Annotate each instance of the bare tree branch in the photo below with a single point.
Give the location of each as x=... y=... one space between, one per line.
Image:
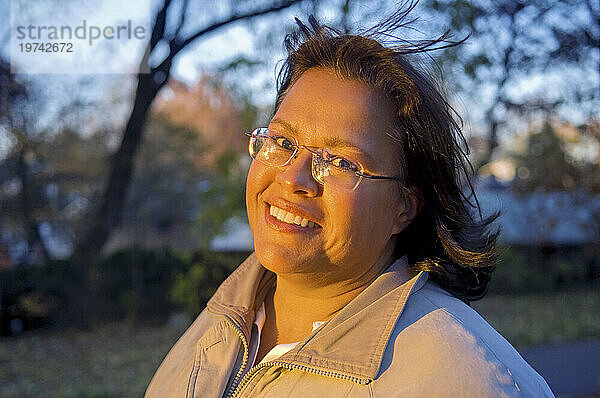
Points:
x=158 y=31
x=184 y=8
x=234 y=18
x=160 y=22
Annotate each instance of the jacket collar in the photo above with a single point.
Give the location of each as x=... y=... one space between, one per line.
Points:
x=352 y=343
x=241 y=293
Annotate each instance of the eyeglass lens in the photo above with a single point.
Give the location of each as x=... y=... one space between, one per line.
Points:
x=269 y=151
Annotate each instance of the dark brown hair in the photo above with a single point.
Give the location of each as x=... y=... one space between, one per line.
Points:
x=446 y=238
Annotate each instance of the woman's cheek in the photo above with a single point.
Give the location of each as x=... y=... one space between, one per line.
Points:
x=251 y=192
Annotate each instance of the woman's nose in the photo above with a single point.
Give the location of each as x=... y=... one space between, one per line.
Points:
x=297 y=176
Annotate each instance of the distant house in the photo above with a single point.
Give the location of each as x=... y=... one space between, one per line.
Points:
x=176 y=235
x=179 y=236
x=539 y=218
x=237 y=238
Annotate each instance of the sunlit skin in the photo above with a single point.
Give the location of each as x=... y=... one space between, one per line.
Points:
x=320 y=270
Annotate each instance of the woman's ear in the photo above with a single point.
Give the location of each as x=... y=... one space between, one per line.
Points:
x=413 y=202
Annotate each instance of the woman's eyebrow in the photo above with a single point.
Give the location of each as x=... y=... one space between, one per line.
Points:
x=330 y=142
x=285 y=124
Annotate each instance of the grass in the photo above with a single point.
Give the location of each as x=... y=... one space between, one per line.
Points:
x=118 y=361
x=544 y=319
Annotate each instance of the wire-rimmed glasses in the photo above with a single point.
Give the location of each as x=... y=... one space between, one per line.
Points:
x=274 y=149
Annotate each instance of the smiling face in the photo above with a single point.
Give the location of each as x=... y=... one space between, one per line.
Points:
x=353 y=228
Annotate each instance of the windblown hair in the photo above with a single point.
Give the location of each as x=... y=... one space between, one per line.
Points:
x=445 y=238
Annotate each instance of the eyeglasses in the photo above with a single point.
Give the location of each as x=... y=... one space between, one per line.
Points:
x=273 y=149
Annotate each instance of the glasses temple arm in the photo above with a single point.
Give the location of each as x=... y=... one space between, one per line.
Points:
x=375 y=177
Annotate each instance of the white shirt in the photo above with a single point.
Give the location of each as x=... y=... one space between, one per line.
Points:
x=276 y=351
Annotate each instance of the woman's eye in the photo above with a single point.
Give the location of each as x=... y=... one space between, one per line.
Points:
x=343 y=164
x=285 y=143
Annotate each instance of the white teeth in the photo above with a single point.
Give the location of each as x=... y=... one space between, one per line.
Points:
x=291 y=218
x=281 y=215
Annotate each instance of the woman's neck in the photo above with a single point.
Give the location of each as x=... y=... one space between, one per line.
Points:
x=293 y=307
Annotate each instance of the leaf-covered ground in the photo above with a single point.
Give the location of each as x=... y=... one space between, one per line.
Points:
x=118 y=361
x=112 y=361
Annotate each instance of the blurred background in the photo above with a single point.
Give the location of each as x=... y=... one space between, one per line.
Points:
x=123 y=194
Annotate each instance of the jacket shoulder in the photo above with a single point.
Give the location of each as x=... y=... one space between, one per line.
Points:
x=441 y=344
x=172 y=375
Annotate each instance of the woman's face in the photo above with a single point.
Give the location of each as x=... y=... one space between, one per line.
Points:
x=354 y=227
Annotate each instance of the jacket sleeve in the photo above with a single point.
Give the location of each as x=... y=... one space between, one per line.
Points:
x=441 y=348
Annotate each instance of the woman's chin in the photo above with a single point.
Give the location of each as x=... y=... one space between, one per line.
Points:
x=282 y=260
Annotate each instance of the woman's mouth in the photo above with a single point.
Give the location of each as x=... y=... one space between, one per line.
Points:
x=291 y=218
x=287 y=221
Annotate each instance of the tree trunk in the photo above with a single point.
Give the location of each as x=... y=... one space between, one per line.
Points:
x=34 y=239
x=83 y=295
x=492 y=144
x=119 y=177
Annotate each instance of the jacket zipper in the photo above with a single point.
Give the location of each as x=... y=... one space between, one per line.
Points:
x=238 y=330
x=291 y=366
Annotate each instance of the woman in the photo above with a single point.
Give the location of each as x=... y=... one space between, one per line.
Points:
x=366 y=251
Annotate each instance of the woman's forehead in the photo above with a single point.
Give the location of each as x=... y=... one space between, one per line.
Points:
x=321 y=109
x=320 y=100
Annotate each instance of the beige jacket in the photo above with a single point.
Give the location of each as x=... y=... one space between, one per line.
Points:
x=395 y=339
